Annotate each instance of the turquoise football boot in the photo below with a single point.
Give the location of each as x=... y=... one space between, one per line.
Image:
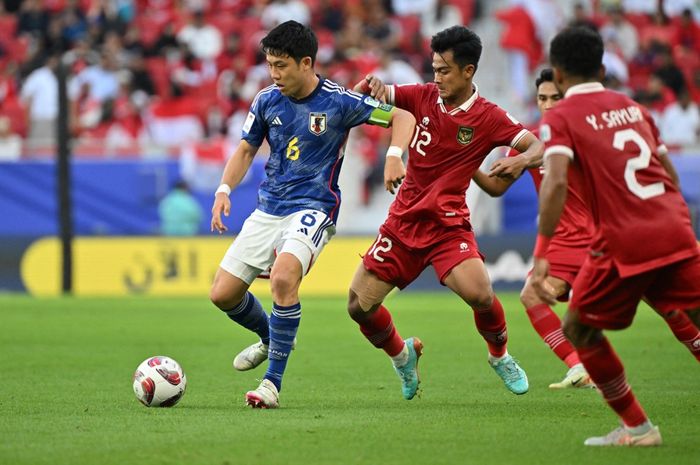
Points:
x=409 y=372
x=512 y=375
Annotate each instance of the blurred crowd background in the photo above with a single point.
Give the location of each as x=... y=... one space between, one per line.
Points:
x=173 y=79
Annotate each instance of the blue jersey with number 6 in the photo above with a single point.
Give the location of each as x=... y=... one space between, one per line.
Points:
x=307 y=140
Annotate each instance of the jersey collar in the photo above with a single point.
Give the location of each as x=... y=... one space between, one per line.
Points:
x=312 y=94
x=463 y=107
x=585 y=88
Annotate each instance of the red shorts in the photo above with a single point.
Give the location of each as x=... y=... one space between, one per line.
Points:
x=565 y=262
x=397 y=264
x=603 y=299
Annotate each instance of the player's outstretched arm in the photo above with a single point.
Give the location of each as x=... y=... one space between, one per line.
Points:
x=373 y=86
x=531 y=150
x=236 y=167
x=552 y=199
x=493 y=186
x=402 y=126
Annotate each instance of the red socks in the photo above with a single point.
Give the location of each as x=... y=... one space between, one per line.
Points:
x=379 y=329
x=491 y=323
x=685 y=331
x=608 y=374
x=548 y=326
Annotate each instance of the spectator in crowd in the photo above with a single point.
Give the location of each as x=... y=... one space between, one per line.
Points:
x=669 y=72
x=383 y=31
x=33 y=19
x=329 y=15
x=657 y=34
x=180 y=213
x=98 y=82
x=40 y=97
x=640 y=6
x=10 y=143
x=442 y=15
x=203 y=40
x=279 y=11
x=621 y=33
x=582 y=17
x=395 y=70
x=414 y=7
x=675 y=8
x=686 y=32
x=615 y=65
x=680 y=122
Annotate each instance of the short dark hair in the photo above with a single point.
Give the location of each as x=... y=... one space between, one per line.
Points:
x=465 y=45
x=578 y=51
x=291 y=39
x=546 y=75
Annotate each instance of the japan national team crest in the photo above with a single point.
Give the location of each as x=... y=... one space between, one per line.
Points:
x=317 y=123
x=465 y=134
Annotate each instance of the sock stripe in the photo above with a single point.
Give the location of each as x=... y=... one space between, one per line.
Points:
x=240 y=307
x=292 y=311
x=615 y=389
x=555 y=338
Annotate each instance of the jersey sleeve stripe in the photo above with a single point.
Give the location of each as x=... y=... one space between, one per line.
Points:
x=559 y=150
x=390 y=95
x=266 y=90
x=518 y=136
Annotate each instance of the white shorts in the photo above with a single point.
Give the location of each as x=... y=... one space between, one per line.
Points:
x=264 y=236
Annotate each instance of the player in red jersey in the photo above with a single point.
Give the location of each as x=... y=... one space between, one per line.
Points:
x=568 y=250
x=643 y=243
x=428 y=223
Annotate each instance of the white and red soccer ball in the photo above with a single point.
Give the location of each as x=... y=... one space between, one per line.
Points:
x=159 y=382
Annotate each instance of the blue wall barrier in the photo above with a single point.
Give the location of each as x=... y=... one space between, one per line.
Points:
x=121 y=197
x=109 y=197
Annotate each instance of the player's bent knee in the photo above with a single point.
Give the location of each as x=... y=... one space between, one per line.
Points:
x=481 y=300
x=223 y=300
x=283 y=284
x=579 y=334
x=354 y=309
x=528 y=296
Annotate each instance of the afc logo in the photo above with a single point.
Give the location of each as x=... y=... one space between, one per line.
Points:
x=463 y=247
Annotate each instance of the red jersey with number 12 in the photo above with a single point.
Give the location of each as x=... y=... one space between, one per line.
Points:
x=641 y=220
x=448 y=146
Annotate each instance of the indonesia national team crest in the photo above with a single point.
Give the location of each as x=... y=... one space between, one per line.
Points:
x=465 y=134
x=317 y=123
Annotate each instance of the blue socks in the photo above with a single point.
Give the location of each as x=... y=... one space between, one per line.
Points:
x=284 y=323
x=250 y=314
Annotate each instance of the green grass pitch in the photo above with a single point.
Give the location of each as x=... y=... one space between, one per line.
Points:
x=66 y=396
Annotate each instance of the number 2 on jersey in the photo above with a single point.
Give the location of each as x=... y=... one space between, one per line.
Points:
x=293 y=149
x=637 y=163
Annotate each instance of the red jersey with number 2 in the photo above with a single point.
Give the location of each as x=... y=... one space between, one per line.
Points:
x=641 y=220
x=448 y=146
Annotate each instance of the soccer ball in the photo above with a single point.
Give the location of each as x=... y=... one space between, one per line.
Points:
x=159 y=382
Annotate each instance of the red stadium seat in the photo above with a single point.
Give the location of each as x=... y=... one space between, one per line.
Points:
x=14 y=109
x=410 y=28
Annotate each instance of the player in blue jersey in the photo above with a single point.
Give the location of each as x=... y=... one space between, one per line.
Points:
x=305 y=120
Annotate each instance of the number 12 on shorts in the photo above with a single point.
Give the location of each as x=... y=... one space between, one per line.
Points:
x=382 y=244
